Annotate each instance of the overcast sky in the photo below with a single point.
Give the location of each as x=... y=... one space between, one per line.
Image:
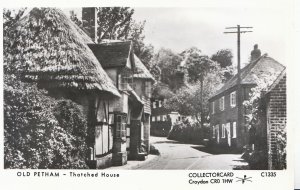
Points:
x=183 y=27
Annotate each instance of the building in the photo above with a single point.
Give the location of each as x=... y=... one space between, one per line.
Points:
x=225 y=130
x=271 y=125
x=142 y=84
x=59 y=60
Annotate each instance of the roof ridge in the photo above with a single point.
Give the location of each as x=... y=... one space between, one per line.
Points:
x=280 y=76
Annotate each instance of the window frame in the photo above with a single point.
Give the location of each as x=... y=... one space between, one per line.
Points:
x=234 y=130
x=222 y=103
x=233 y=99
x=214 y=132
x=223 y=130
x=153 y=118
x=213 y=107
x=154 y=104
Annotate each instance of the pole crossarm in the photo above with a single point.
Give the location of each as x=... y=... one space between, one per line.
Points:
x=237 y=32
x=240 y=27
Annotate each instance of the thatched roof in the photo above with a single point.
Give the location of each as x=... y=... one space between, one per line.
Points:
x=264 y=66
x=113 y=53
x=141 y=71
x=53 y=51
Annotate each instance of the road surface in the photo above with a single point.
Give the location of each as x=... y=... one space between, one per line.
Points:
x=176 y=155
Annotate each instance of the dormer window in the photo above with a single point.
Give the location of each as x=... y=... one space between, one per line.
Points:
x=125 y=79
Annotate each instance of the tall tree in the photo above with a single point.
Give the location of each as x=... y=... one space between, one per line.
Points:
x=223 y=57
x=198 y=68
x=167 y=61
x=117 y=23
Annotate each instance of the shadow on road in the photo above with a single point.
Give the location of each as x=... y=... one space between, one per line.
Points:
x=214 y=151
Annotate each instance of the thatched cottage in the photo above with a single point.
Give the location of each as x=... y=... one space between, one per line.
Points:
x=53 y=52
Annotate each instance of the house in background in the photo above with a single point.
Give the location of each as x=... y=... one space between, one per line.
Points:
x=223 y=105
x=162 y=118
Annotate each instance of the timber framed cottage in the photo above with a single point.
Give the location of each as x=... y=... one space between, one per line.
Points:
x=130 y=114
x=226 y=131
x=56 y=56
x=61 y=58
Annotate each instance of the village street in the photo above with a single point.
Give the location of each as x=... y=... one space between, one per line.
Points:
x=176 y=155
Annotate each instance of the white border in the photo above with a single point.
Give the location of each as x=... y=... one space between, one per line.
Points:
x=171 y=179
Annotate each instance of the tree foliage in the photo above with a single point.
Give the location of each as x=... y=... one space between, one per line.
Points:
x=167 y=61
x=223 y=57
x=117 y=23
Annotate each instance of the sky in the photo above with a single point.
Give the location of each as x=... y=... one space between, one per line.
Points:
x=179 y=28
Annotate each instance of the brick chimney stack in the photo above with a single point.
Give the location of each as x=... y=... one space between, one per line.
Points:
x=89 y=22
x=255 y=53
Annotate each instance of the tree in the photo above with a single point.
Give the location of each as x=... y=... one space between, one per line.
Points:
x=198 y=68
x=167 y=61
x=223 y=57
x=117 y=23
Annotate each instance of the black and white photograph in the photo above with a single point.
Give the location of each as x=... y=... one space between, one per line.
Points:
x=112 y=88
x=84 y=89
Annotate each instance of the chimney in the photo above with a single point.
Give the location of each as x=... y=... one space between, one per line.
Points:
x=255 y=53
x=89 y=21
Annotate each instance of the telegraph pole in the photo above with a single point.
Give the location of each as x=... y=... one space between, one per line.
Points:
x=239 y=89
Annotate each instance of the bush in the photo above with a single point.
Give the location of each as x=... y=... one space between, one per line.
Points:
x=189 y=133
x=39 y=131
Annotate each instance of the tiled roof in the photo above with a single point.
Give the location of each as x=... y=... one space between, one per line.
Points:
x=262 y=67
x=141 y=70
x=112 y=53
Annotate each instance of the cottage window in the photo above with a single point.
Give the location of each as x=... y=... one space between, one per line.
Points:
x=158 y=118
x=159 y=103
x=221 y=103
x=154 y=104
x=121 y=127
x=233 y=99
x=153 y=118
x=213 y=107
x=214 y=132
x=223 y=130
x=125 y=80
x=164 y=118
x=234 y=130
x=218 y=133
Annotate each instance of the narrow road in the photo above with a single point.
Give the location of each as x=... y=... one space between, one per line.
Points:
x=176 y=155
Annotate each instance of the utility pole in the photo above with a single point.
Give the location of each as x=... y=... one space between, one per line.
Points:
x=240 y=123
